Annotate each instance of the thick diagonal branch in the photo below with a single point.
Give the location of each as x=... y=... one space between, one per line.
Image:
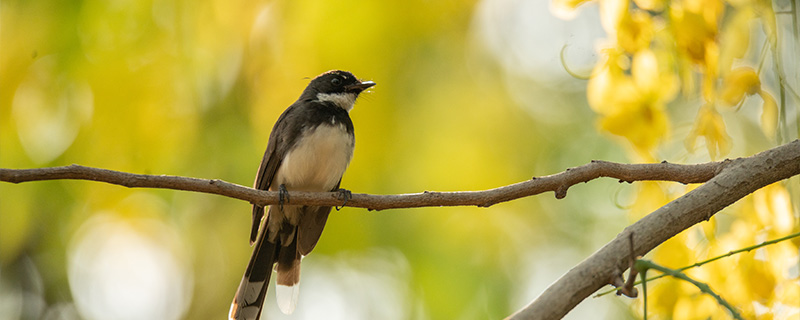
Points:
x=558 y=183
x=737 y=179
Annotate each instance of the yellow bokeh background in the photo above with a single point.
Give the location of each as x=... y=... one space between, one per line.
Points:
x=469 y=96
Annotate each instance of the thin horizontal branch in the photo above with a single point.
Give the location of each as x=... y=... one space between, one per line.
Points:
x=737 y=179
x=558 y=183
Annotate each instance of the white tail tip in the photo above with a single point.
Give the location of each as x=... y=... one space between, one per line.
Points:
x=287 y=297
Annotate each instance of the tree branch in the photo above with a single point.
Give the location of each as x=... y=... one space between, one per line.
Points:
x=725 y=182
x=736 y=180
x=558 y=183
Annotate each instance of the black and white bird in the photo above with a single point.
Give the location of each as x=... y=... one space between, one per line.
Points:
x=309 y=149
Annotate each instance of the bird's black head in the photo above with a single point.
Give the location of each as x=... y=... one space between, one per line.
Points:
x=338 y=81
x=337 y=86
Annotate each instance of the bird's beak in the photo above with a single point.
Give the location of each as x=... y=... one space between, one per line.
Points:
x=358 y=87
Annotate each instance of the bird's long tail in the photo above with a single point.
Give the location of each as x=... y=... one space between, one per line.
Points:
x=252 y=290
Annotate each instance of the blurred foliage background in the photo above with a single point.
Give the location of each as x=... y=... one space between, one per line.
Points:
x=470 y=95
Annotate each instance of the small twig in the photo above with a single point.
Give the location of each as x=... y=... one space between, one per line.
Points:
x=697 y=264
x=644 y=265
x=628 y=288
x=643 y=275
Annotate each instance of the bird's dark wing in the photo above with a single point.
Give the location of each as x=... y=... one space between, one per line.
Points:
x=311 y=225
x=281 y=139
x=266 y=172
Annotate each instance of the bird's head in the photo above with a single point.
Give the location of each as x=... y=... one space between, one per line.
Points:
x=337 y=86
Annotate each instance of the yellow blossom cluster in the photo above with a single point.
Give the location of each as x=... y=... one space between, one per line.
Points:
x=761 y=284
x=656 y=49
x=655 y=52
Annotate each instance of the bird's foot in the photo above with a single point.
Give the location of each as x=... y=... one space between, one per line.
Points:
x=345 y=195
x=283 y=196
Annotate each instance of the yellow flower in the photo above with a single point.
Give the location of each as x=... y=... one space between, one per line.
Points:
x=609 y=87
x=737 y=83
x=644 y=126
x=694 y=28
x=734 y=39
x=744 y=81
x=769 y=114
x=633 y=105
x=773 y=208
x=710 y=126
x=635 y=31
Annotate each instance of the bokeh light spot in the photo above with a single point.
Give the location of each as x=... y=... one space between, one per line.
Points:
x=120 y=269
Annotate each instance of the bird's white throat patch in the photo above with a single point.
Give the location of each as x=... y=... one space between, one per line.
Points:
x=343 y=100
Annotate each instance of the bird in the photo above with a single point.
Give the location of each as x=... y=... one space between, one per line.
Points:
x=309 y=149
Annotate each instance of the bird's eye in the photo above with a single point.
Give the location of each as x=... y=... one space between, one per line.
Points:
x=336 y=81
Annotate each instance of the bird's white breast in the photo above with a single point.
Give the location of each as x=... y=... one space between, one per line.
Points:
x=318 y=160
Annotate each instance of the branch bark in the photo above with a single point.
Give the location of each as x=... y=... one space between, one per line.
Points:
x=558 y=183
x=741 y=177
x=725 y=182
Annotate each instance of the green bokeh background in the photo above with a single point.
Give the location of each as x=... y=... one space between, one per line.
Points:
x=193 y=88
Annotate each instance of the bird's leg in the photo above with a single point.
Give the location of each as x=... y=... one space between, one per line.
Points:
x=283 y=194
x=345 y=195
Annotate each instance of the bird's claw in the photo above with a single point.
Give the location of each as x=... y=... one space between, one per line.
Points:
x=345 y=195
x=283 y=196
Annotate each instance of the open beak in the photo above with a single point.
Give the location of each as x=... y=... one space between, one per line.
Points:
x=358 y=87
